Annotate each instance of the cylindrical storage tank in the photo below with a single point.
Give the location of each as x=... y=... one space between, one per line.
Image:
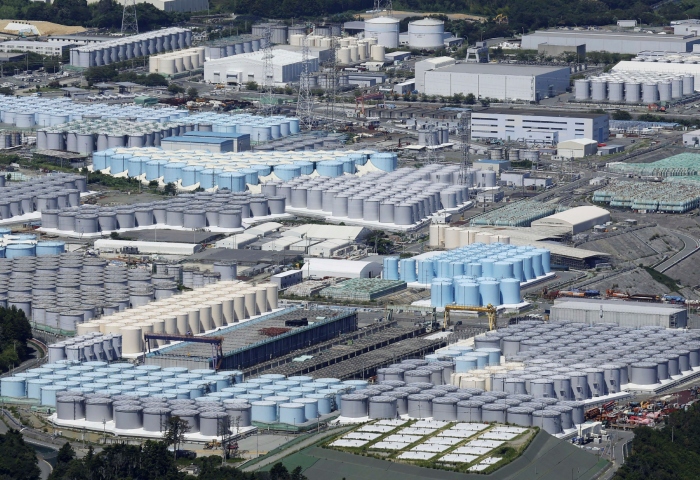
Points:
x=264 y=411
x=354 y=405
x=292 y=413
x=596 y=381
x=98 y=409
x=420 y=405
x=583 y=89
x=384 y=29
x=616 y=90
x=128 y=417
x=15 y=387
x=190 y=416
x=650 y=92
x=664 y=91
x=612 y=376
x=382 y=407
x=599 y=90
x=239 y=413
x=445 y=408
x=633 y=91
x=494 y=413
x=579 y=385
x=469 y=411
x=70 y=407
x=547 y=420
x=155 y=419
x=214 y=424
x=688 y=84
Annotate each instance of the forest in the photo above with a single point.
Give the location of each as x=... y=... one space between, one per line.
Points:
x=15 y=330
x=102 y=14
x=668 y=453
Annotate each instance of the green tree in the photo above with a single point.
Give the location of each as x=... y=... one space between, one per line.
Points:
x=175 y=430
x=251 y=85
x=17 y=459
x=621 y=115
x=470 y=99
x=192 y=93
x=170 y=189
x=15 y=331
x=174 y=88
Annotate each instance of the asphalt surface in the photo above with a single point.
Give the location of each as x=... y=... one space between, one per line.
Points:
x=691 y=245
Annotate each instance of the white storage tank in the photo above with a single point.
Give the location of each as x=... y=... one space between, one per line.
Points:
x=583 y=89
x=384 y=29
x=427 y=34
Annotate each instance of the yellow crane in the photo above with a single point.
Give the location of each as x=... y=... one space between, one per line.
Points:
x=500 y=18
x=489 y=310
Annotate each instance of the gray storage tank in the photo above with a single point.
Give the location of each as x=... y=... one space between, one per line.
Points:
x=70 y=407
x=382 y=407
x=214 y=424
x=98 y=409
x=420 y=405
x=494 y=413
x=353 y=405
x=155 y=418
x=128 y=417
x=445 y=408
x=521 y=416
x=189 y=415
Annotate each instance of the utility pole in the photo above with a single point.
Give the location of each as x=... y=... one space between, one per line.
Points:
x=305 y=103
x=268 y=74
x=129 y=21
x=464 y=131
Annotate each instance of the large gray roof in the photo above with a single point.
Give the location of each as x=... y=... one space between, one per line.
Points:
x=500 y=69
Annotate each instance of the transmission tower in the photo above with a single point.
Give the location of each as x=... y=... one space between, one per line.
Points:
x=305 y=103
x=430 y=155
x=464 y=131
x=332 y=82
x=268 y=74
x=129 y=23
x=383 y=5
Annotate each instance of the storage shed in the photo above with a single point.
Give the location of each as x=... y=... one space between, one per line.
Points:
x=578 y=219
x=325 y=267
x=577 y=148
x=628 y=314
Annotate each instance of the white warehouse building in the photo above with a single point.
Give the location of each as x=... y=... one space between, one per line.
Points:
x=248 y=67
x=613 y=42
x=484 y=80
x=523 y=125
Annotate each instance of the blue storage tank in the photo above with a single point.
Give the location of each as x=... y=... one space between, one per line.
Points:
x=468 y=294
x=358 y=158
x=50 y=247
x=137 y=166
x=292 y=413
x=263 y=170
x=482 y=359
x=487 y=265
x=408 y=270
x=546 y=259
x=48 y=394
x=536 y=263
x=391 y=268
x=325 y=402
x=15 y=387
x=441 y=292
x=443 y=268
x=173 y=172
x=100 y=159
x=502 y=269
x=310 y=407
x=475 y=270
x=263 y=411
x=528 y=271
x=517 y=268
x=5 y=231
x=426 y=271
x=234 y=181
x=155 y=169
x=190 y=175
x=287 y=172
x=510 y=291
x=15 y=250
x=494 y=355
x=118 y=163
x=489 y=292
x=456 y=268
x=465 y=363
x=251 y=175
x=207 y=177
x=34 y=387
x=307 y=168
x=293 y=125
x=330 y=168
x=348 y=165
x=384 y=161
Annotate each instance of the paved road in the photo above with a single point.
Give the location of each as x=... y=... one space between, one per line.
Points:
x=293 y=449
x=690 y=246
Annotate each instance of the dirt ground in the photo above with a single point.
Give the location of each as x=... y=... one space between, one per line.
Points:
x=639 y=281
x=647 y=246
x=115 y=198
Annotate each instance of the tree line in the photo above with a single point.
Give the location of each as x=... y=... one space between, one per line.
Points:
x=15 y=331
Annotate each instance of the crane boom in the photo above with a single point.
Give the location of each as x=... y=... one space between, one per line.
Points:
x=489 y=310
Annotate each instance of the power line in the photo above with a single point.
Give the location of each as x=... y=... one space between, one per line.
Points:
x=268 y=74
x=332 y=81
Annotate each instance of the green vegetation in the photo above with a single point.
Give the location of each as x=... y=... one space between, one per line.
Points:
x=110 y=73
x=665 y=280
x=150 y=461
x=621 y=115
x=192 y=93
x=669 y=453
x=15 y=330
x=18 y=460
x=102 y=14
x=378 y=241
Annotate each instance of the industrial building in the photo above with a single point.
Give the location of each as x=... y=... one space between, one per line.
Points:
x=624 y=314
x=326 y=267
x=523 y=179
x=666 y=63
x=577 y=148
x=576 y=220
x=52 y=49
x=609 y=41
x=78 y=39
x=126 y=48
x=520 y=125
x=691 y=139
x=214 y=142
x=443 y=76
x=557 y=50
x=175 y=5
x=287 y=279
x=248 y=67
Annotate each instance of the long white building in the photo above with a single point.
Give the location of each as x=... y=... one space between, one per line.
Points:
x=506 y=124
x=609 y=41
x=174 y=5
x=248 y=67
x=443 y=76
